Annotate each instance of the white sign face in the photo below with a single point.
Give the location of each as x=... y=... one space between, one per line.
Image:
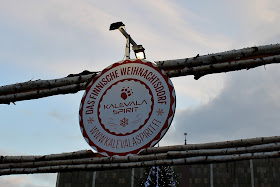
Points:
x=128 y=107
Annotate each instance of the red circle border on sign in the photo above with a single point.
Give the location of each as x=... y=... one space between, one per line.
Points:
x=165 y=127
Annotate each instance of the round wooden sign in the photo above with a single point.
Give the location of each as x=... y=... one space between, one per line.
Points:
x=128 y=107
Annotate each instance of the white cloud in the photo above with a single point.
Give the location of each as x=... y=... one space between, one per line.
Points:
x=71 y=33
x=199 y=91
x=261 y=12
x=245 y=108
x=257 y=20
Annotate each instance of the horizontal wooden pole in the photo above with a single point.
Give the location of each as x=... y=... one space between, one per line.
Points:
x=213 y=145
x=60 y=156
x=228 y=56
x=198 y=66
x=45 y=84
x=180 y=161
x=140 y=158
x=200 y=71
x=151 y=150
x=196 y=71
x=7 y=99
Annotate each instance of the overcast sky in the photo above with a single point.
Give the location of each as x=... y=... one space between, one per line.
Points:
x=51 y=39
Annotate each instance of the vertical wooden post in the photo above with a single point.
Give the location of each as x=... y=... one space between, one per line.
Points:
x=132 y=177
x=93 y=179
x=211 y=176
x=57 y=180
x=252 y=173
